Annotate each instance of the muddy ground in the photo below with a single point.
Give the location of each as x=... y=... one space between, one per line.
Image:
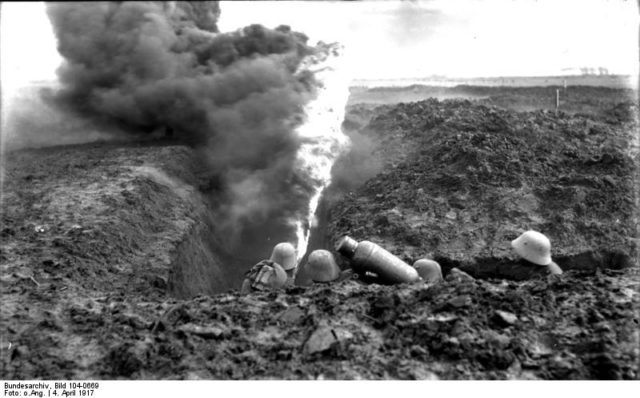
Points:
x=110 y=259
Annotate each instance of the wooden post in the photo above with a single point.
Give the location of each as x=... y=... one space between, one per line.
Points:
x=557 y=100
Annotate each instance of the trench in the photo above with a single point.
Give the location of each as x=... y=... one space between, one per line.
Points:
x=205 y=262
x=518 y=270
x=489 y=267
x=202 y=265
x=350 y=166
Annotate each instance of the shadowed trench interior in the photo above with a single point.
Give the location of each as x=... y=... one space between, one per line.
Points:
x=206 y=263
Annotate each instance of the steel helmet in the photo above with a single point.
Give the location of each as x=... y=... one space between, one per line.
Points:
x=270 y=276
x=321 y=267
x=534 y=247
x=285 y=254
x=428 y=270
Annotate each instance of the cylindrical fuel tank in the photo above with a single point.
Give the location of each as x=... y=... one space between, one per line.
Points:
x=366 y=256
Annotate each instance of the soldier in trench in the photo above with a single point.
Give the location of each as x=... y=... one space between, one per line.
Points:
x=535 y=249
x=275 y=273
x=265 y=275
x=532 y=246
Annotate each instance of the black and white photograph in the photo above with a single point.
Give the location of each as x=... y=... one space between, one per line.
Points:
x=362 y=191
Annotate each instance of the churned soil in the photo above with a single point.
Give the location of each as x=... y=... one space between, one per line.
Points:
x=110 y=262
x=461 y=180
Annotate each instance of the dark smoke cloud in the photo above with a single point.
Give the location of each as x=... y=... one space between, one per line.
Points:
x=145 y=67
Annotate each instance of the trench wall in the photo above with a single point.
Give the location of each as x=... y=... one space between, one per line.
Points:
x=195 y=266
x=111 y=219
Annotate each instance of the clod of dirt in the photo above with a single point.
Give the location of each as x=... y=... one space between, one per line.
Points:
x=325 y=338
x=207 y=332
x=459 y=301
x=292 y=315
x=504 y=318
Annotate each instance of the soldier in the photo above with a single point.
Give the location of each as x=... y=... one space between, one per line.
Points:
x=428 y=270
x=285 y=254
x=264 y=276
x=535 y=248
x=320 y=267
x=274 y=273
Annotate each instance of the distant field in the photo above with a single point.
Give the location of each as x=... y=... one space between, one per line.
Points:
x=573 y=99
x=616 y=81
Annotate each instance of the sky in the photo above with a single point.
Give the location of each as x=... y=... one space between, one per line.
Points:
x=462 y=38
x=397 y=39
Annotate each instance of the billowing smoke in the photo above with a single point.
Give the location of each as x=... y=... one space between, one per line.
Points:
x=163 y=68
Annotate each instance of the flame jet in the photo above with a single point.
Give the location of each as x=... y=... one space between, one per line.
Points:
x=324 y=140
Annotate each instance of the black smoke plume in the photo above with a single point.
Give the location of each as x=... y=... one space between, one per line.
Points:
x=163 y=67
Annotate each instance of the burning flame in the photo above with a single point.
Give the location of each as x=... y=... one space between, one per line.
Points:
x=323 y=139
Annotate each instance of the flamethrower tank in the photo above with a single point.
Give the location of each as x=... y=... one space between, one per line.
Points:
x=366 y=256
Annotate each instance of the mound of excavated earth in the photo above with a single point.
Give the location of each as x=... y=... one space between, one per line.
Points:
x=462 y=180
x=111 y=266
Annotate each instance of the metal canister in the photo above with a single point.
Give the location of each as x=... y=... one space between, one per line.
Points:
x=366 y=256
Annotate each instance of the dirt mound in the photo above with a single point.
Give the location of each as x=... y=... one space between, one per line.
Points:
x=463 y=180
x=462 y=329
x=102 y=214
